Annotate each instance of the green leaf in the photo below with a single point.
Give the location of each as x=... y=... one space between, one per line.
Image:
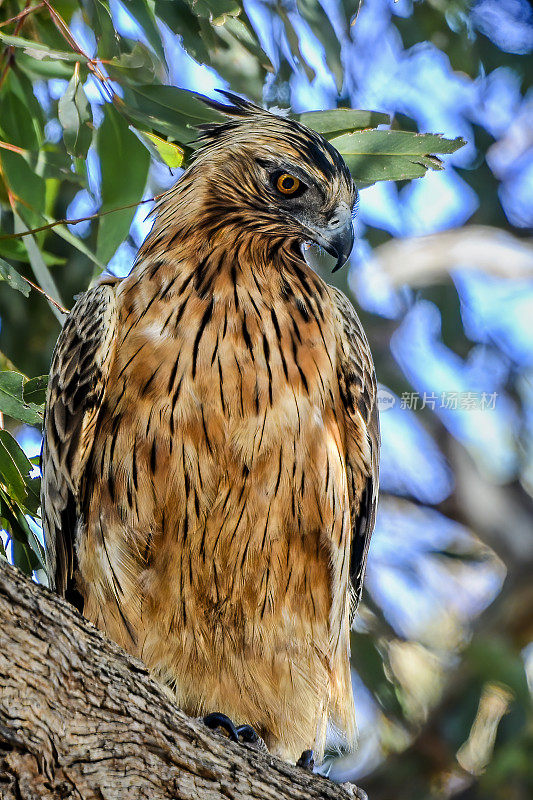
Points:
x=244 y=34
x=33 y=500
x=172 y=111
x=38 y=50
x=35 y=68
x=294 y=43
x=124 y=163
x=34 y=390
x=27 y=188
x=179 y=18
x=139 y=66
x=75 y=116
x=17 y=467
x=392 y=155
x=143 y=13
x=101 y=23
x=11 y=276
x=14 y=467
x=321 y=25
x=168 y=153
x=216 y=11
x=341 y=120
x=23 y=557
x=22 y=87
x=40 y=270
x=12 y=401
x=17 y=123
x=15 y=250
x=28 y=552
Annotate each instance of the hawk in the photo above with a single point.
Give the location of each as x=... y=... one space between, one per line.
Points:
x=210 y=458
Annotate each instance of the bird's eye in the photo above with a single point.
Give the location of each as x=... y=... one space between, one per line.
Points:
x=287 y=184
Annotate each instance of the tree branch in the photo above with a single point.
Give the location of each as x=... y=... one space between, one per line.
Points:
x=81 y=719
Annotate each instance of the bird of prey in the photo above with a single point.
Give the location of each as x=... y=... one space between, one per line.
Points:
x=210 y=460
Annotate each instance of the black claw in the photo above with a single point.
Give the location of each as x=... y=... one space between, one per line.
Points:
x=217 y=720
x=247 y=734
x=306 y=761
x=244 y=733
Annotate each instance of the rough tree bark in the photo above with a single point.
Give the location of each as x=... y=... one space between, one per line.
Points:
x=79 y=719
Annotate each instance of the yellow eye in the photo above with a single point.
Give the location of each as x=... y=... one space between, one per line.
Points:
x=287 y=184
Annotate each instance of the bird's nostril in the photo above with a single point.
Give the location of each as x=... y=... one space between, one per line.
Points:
x=334 y=221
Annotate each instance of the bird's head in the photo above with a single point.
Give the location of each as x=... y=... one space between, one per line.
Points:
x=269 y=177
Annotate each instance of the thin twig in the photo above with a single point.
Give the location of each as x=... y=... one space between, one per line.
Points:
x=50 y=299
x=75 y=221
x=22 y=15
x=65 y=32
x=13 y=148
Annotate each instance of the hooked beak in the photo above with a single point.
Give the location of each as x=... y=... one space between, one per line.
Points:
x=337 y=237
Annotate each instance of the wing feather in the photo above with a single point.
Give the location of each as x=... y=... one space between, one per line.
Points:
x=78 y=376
x=358 y=389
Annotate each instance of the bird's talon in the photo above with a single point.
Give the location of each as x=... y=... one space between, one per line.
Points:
x=217 y=720
x=306 y=761
x=247 y=734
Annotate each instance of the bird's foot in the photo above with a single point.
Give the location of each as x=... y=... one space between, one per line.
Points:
x=244 y=734
x=306 y=761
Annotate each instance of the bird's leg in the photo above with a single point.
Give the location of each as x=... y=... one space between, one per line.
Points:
x=306 y=761
x=241 y=733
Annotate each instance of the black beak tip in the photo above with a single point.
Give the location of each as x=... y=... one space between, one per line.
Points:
x=341 y=261
x=341 y=247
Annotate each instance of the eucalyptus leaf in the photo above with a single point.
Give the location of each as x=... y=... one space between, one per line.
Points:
x=178 y=16
x=27 y=550
x=341 y=120
x=121 y=154
x=28 y=188
x=175 y=112
x=15 y=250
x=393 y=155
x=22 y=557
x=168 y=153
x=98 y=15
x=17 y=123
x=13 y=472
x=34 y=390
x=244 y=33
x=216 y=11
x=40 y=270
x=139 y=66
x=75 y=116
x=38 y=50
x=12 y=401
x=13 y=279
x=37 y=68
x=142 y=11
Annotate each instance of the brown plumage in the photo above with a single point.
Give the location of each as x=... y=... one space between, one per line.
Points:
x=211 y=441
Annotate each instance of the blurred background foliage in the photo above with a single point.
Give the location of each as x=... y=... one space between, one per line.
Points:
x=91 y=120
